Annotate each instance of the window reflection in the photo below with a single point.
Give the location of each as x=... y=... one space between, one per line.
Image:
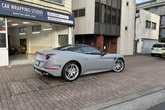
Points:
x=2 y=24
x=56 y=1
x=162 y=33
x=2 y=40
x=162 y=20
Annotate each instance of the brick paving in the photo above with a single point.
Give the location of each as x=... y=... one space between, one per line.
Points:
x=21 y=88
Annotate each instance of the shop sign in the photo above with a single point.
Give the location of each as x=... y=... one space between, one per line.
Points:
x=24 y=11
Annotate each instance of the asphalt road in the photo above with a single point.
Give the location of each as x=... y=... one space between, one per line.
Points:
x=139 y=101
x=160 y=106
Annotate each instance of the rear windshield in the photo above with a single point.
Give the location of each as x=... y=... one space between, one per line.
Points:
x=65 y=48
x=158 y=45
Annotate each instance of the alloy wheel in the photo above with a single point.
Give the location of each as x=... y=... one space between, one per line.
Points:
x=71 y=71
x=119 y=65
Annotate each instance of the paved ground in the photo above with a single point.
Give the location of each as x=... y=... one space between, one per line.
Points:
x=23 y=89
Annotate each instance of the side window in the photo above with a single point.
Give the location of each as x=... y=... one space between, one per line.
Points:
x=90 y=50
x=75 y=13
x=78 y=50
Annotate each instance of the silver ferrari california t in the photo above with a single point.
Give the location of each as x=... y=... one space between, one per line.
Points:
x=70 y=61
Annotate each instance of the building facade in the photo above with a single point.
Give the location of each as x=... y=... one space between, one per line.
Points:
x=156 y=7
x=106 y=24
x=27 y=26
x=147 y=31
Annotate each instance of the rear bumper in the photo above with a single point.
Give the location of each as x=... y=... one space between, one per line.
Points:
x=51 y=71
x=156 y=54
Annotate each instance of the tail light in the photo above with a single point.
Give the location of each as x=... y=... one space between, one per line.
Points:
x=48 y=56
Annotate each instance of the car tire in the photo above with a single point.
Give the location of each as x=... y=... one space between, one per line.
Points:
x=152 y=55
x=70 y=71
x=119 y=65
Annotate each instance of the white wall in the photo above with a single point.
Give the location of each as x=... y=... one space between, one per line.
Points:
x=42 y=40
x=142 y=31
x=4 y=57
x=126 y=39
x=84 y=24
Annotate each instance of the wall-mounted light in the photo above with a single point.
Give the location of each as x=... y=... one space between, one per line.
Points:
x=26 y=22
x=15 y=24
x=22 y=33
x=9 y=21
x=47 y=29
x=35 y=32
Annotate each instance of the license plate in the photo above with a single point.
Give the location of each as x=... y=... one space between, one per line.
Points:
x=37 y=62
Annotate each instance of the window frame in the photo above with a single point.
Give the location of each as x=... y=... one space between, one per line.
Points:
x=148 y=24
x=38 y=28
x=82 y=14
x=61 y=39
x=22 y=32
x=97 y=12
x=52 y=1
x=3 y=44
x=75 y=13
x=153 y=26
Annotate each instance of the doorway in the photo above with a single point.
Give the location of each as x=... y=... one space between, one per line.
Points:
x=106 y=44
x=23 y=46
x=27 y=36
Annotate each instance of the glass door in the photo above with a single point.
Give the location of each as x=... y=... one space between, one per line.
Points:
x=3 y=42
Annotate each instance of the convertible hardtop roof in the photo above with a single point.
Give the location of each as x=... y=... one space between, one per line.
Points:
x=69 y=46
x=78 y=45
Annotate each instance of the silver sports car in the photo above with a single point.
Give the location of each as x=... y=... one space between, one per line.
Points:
x=70 y=61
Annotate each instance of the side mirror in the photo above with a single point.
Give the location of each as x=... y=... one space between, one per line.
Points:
x=103 y=53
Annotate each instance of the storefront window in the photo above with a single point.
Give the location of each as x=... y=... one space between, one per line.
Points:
x=2 y=24
x=2 y=40
x=2 y=33
x=56 y=1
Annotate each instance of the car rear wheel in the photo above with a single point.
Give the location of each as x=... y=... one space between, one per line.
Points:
x=119 y=65
x=70 y=71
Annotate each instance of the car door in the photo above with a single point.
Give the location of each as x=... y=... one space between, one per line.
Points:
x=95 y=60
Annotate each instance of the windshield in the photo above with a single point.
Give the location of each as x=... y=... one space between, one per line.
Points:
x=158 y=45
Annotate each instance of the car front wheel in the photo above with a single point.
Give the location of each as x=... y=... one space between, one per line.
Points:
x=70 y=71
x=119 y=65
x=152 y=55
